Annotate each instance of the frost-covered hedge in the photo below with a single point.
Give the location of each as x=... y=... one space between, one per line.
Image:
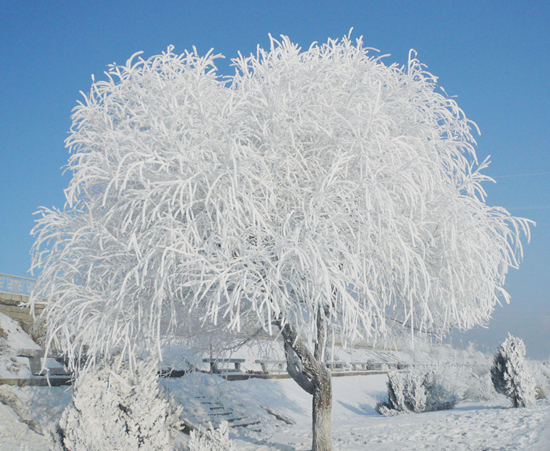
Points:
x=211 y=440
x=541 y=373
x=118 y=409
x=510 y=374
x=463 y=372
x=466 y=382
x=415 y=391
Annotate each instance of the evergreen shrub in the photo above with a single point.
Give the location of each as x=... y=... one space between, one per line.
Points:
x=114 y=408
x=510 y=374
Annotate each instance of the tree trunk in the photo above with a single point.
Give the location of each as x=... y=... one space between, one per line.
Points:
x=322 y=394
x=322 y=419
x=313 y=376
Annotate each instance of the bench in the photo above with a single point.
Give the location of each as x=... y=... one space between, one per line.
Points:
x=335 y=365
x=278 y=366
x=369 y=365
x=267 y=365
x=397 y=365
x=215 y=365
x=373 y=365
x=35 y=357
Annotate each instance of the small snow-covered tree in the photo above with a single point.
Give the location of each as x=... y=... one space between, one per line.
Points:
x=397 y=396
x=510 y=373
x=315 y=192
x=118 y=409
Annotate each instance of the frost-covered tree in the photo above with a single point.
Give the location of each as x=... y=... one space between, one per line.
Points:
x=511 y=375
x=118 y=409
x=313 y=193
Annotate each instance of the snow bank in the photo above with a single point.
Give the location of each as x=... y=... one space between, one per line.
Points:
x=13 y=338
x=27 y=413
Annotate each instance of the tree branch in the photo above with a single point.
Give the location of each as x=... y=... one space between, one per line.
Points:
x=302 y=365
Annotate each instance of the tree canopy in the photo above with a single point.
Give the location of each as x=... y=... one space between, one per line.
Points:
x=318 y=180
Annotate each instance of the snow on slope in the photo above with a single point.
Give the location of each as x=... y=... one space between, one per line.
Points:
x=13 y=338
x=16 y=435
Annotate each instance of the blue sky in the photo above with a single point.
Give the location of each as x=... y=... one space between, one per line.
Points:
x=492 y=55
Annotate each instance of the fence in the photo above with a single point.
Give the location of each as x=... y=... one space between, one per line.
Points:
x=14 y=293
x=16 y=284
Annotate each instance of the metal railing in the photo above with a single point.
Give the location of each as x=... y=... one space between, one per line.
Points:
x=16 y=284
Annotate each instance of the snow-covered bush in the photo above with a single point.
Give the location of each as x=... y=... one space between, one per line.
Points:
x=510 y=374
x=415 y=391
x=211 y=439
x=438 y=397
x=118 y=409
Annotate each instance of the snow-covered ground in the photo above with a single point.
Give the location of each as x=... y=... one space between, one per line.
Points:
x=27 y=413
x=476 y=426
x=356 y=426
